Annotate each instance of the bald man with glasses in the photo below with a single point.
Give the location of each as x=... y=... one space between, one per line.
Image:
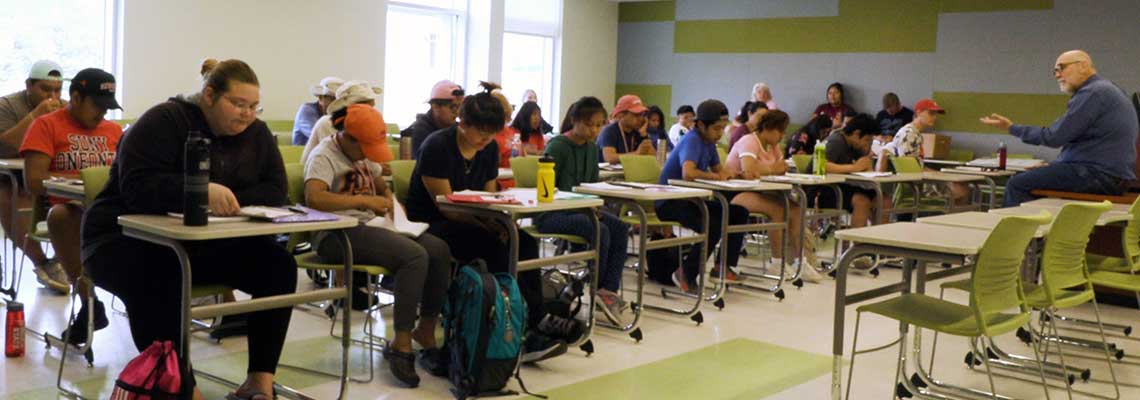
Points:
x=1097 y=136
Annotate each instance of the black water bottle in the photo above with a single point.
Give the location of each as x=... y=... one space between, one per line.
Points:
x=195 y=189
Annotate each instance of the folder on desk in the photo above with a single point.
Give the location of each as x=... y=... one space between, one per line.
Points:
x=292 y=214
x=481 y=198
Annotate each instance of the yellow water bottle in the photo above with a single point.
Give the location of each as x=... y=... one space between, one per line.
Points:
x=545 y=181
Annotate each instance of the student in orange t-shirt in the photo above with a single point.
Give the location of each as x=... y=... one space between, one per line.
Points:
x=60 y=144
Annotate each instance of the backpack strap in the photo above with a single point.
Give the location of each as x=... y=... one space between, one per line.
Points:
x=490 y=295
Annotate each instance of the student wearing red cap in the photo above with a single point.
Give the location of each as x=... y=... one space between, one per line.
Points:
x=626 y=135
x=908 y=141
x=343 y=177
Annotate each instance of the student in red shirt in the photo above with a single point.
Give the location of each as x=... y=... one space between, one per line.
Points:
x=528 y=125
x=836 y=105
x=61 y=143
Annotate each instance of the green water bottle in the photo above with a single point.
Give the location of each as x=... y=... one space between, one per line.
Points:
x=819 y=159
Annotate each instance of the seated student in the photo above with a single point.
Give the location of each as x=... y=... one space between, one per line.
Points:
x=41 y=96
x=747 y=118
x=60 y=144
x=529 y=96
x=147 y=178
x=654 y=128
x=756 y=155
x=849 y=151
x=343 y=176
x=762 y=93
x=836 y=104
x=348 y=93
x=696 y=158
x=309 y=113
x=505 y=138
x=626 y=135
x=576 y=162
x=908 y=140
x=465 y=157
x=882 y=149
x=804 y=140
x=684 y=124
x=893 y=115
x=443 y=108
x=528 y=125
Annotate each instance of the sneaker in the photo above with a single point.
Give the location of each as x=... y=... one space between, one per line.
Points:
x=863 y=264
x=568 y=330
x=52 y=276
x=611 y=303
x=538 y=347
x=730 y=275
x=808 y=272
x=434 y=361
x=403 y=366
x=78 y=327
x=680 y=282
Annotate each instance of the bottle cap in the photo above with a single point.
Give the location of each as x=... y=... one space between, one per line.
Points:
x=15 y=306
x=546 y=158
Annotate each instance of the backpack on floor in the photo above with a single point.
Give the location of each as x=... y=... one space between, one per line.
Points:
x=152 y=375
x=484 y=320
x=562 y=292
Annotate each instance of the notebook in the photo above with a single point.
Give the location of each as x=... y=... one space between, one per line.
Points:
x=399 y=223
x=477 y=197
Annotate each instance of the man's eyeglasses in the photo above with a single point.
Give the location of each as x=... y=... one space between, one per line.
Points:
x=458 y=92
x=1061 y=67
x=254 y=108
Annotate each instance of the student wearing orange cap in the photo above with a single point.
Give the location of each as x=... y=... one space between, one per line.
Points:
x=626 y=135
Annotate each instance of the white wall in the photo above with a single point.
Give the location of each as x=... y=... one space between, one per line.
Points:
x=589 y=52
x=291 y=44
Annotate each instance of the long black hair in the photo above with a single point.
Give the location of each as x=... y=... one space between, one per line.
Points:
x=655 y=110
x=483 y=111
x=582 y=110
x=748 y=108
x=521 y=123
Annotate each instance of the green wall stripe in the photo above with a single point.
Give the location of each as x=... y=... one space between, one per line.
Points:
x=647 y=11
x=954 y=6
x=659 y=95
x=913 y=28
x=280 y=125
x=963 y=109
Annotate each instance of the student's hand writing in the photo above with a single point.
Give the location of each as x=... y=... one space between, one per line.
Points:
x=724 y=174
x=377 y=204
x=997 y=121
x=645 y=147
x=863 y=163
x=47 y=106
x=222 y=201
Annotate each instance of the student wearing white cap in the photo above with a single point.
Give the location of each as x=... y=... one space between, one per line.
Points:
x=308 y=114
x=41 y=96
x=349 y=93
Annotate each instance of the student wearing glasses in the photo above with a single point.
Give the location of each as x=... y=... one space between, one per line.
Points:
x=147 y=178
x=444 y=103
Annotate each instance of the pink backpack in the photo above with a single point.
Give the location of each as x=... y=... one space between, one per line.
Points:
x=153 y=375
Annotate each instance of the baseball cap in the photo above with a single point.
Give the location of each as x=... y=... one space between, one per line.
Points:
x=352 y=92
x=97 y=84
x=630 y=103
x=446 y=90
x=42 y=70
x=327 y=87
x=711 y=109
x=928 y=104
x=366 y=125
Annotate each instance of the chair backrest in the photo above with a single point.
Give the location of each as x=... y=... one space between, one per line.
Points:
x=525 y=170
x=641 y=169
x=995 y=282
x=1063 y=263
x=290 y=153
x=720 y=152
x=961 y=155
x=1131 y=237
x=94 y=179
x=802 y=161
x=284 y=138
x=401 y=177
x=906 y=164
x=295 y=178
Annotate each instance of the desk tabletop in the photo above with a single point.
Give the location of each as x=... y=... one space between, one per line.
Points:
x=530 y=204
x=975 y=220
x=992 y=173
x=1058 y=203
x=12 y=163
x=172 y=228
x=944 y=177
x=735 y=185
x=622 y=192
x=1109 y=217
x=796 y=179
x=607 y=175
x=943 y=162
x=65 y=188
x=893 y=178
x=923 y=237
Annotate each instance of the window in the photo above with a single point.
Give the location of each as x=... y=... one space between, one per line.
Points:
x=529 y=40
x=77 y=34
x=422 y=47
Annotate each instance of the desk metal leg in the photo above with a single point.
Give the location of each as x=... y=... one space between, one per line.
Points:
x=776 y=289
x=694 y=313
x=8 y=261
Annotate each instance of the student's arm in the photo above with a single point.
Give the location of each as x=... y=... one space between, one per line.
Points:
x=36 y=167
x=14 y=136
x=863 y=164
x=1081 y=113
x=271 y=188
x=148 y=157
x=611 y=155
x=318 y=196
x=689 y=172
x=442 y=187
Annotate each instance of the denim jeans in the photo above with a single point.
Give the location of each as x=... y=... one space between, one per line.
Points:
x=1069 y=177
x=613 y=246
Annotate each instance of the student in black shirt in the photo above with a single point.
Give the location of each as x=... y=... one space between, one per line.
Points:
x=849 y=151
x=466 y=157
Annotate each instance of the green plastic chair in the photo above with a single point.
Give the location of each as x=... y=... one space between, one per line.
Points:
x=995 y=291
x=961 y=155
x=94 y=179
x=401 y=177
x=284 y=138
x=642 y=169
x=525 y=170
x=903 y=193
x=291 y=154
x=802 y=162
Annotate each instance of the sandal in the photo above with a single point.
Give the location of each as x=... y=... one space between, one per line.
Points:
x=251 y=395
x=403 y=366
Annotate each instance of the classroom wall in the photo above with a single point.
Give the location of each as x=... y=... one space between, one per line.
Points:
x=589 y=52
x=971 y=56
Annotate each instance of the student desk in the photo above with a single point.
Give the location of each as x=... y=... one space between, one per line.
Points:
x=940 y=164
x=508 y=214
x=12 y=168
x=877 y=182
x=946 y=180
x=1058 y=203
x=631 y=198
x=798 y=182
x=71 y=189
x=169 y=231
x=1109 y=217
x=738 y=186
x=919 y=244
x=989 y=175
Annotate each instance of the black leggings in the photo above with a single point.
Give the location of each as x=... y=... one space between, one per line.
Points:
x=469 y=242
x=146 y=277
x=688 y=215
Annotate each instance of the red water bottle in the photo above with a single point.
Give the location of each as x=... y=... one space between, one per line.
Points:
x=1001 y=156
x=14 y=330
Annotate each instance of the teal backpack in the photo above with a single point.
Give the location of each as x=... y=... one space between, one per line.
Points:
x=484 y=321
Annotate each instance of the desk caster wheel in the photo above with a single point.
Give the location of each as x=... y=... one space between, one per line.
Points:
x=90 y=357
x=971 y=360
x=798 y=283
x=1025 y=336
x=780 y=295
x=875 y=272
x=698 y=318
x=587 y=347
x=901 y=392
x=719 y=303
x=916 y=381
x=636 y=335
x=664 y=293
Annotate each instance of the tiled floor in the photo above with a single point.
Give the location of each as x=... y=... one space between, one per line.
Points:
x=803 y=321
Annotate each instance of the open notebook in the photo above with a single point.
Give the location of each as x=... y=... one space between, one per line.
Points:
x=398 y=223
x=277 y=215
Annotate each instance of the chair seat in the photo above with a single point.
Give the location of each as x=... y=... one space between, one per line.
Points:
x=310 y=260
x=208 y=290
x=963 y=285
x=1098 y=262
x=943 y=316
x=533 y=231
x=1035 y=296
x=1116 y=280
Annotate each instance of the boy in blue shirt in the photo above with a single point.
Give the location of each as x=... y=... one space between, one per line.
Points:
x=695 y=157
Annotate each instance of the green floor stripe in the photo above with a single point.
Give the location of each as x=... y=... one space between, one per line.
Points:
x=736 y=369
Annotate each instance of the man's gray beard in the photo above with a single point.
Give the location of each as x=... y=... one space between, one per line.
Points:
x=1065 y=88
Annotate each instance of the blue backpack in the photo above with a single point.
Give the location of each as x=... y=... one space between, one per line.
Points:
x=484 y=321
